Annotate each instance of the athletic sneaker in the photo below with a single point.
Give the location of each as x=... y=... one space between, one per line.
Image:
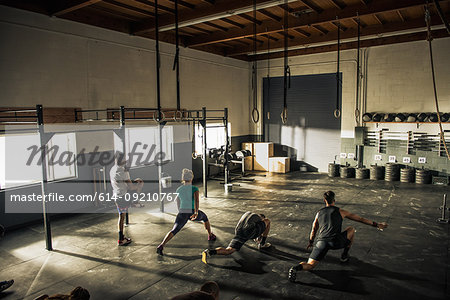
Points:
x=292 y=274
x=205 y=256
x=159 y=250
x=265 y=246
x=6 y=284
x=124 y=242
x=345 y=257
x=212 y=237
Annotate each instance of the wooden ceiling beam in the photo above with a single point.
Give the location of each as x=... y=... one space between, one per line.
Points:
x=404 y=38
x=399 y=13
x=303 y=32
x=349 y=33
x=251 y=19
x=211 y=24
x=271 y=26
x=161 y=7
x=270 y=15
x=129 y=7
x=233 y=23
x=200 y=29
x=339 y=4
x=70 y=6
x=184 y=3
x=312 y=6
x=219 y=7
x=320 y=29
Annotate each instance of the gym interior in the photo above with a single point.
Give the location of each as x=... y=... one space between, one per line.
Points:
x=261 y=106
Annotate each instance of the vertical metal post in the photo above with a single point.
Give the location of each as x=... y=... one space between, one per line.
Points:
x=160 y=161
x=124 y=148
x=227 y=143
x=205 y=157
x=43 y=140
x=158 y=62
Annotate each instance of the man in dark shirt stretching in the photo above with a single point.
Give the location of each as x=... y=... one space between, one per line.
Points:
x=250 y=226
x=328 y=222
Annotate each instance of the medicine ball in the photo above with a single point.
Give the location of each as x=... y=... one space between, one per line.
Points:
x=377 y=117
x=433 y=118
x=400 y=118
x=389 y=117
x=445 y=117
x=422 y=117
x=367 y=117
x=412 y=118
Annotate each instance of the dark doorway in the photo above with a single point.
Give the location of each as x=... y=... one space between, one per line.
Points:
x=311 y=136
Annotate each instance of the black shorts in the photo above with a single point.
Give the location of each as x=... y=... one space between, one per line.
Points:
x=321 y=248
x=244 y=235
x=183 y=218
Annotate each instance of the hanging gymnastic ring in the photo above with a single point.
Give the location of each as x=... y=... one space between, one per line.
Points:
x=255 y=115
x=194 y=155
x=284 y=115
x=337 y=113
x=155 y=117
x=178 y=116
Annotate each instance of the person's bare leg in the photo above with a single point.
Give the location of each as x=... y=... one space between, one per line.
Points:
x=305 y=266
x=350 y=236
x=266 y=232
x=225 y=251
x=208 y=227
x=311 y=264
x=121 y=221
x=218 y=251
x=166 y=239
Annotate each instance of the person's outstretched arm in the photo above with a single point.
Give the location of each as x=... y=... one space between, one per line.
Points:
x=314 y=228
x=355 y=217
x=196 y=205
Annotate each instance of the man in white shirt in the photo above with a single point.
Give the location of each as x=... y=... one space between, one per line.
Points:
x=121 y=184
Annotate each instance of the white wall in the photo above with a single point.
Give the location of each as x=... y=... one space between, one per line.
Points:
x=59 y=63
x=398 y=80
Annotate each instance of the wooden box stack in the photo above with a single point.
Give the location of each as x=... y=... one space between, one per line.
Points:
x=279 y=164
x=262 y=158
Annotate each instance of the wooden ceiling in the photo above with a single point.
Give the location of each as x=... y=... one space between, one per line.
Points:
x=227 y=27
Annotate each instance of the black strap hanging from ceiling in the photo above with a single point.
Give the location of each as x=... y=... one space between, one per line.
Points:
x=176 y=62
x=287 y=70
x=358 y=73
x=337 y=111
x=158 y=64
x=255 y=112
x=429 y=39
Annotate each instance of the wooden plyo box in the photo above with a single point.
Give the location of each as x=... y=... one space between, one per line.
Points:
x=248 y=163
x=279 y=164
x=249 y=159
x=262 y=152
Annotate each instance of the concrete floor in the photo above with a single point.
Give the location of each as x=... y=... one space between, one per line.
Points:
x=409 y=260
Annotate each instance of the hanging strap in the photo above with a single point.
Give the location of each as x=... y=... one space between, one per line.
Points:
x=287 y=70
x=337 y=111
x=255 y=111
x=429 y=39
x=176 y=64
x=358 y=73
x=159 y=117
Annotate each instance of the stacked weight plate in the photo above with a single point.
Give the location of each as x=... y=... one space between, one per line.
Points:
x=376 y=172
x=333 y=170
x=347 y=172
x=407 y=175
x=423 y=176
x=392 y=172
x=362 y=173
